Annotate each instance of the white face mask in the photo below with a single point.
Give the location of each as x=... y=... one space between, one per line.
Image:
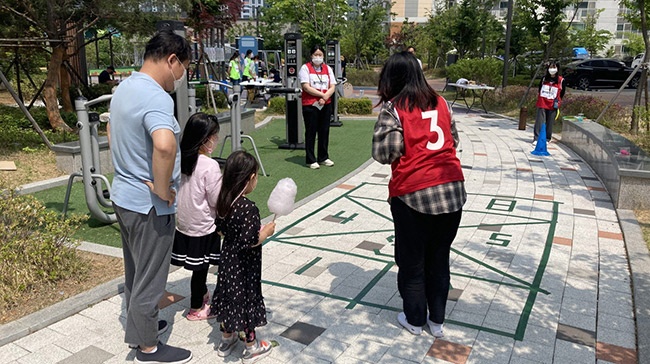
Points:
x=317 y=60
x=552 y=71
x=179 y=82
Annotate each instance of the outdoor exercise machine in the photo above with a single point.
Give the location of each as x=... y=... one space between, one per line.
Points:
x=236 y=133
x=91 y=173
x=292 y=92
x=333 y=59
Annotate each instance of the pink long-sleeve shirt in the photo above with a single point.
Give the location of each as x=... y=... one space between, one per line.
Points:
x=197 y=198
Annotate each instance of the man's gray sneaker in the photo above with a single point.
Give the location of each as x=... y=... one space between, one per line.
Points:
x=162 y=328
x=164 y=354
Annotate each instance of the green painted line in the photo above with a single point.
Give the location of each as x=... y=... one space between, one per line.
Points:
x=282 y=231
x=332 y=251
x=507 y=215
x=368 y=198
x=337 y=234
x=528 y=307
x=377 y=252
x=480 y=328
x=492 y=268
x=369 y=286
x=389 y=218
x=528 y=288
x=513 y=197
x=306 y=290
x=308 y=265
x=505 y=224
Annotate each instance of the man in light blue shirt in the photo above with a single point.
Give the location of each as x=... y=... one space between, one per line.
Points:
x=144 y=136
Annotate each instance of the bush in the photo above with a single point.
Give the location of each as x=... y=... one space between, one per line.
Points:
x=356 y=106
x=486 y=70
x=220 y=97
x=591 y=107
x=18 y=133
x=358 y=77
x=35 y=243
x=508 y=98
x=276 y=105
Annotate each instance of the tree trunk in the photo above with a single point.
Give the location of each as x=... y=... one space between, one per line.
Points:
x=49 y=90
x=643 y=82
x=64 y=78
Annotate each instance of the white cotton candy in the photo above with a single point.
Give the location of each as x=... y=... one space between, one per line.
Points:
x=283 y=197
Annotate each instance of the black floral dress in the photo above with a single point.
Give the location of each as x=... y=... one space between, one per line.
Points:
x=237 y=300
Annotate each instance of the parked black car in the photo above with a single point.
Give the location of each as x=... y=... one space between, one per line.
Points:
x=588 y=73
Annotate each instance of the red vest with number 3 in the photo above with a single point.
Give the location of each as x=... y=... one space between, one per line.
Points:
x=322 y=76
x=429 y=155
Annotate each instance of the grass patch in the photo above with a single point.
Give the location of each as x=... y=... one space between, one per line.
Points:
x=350 y=146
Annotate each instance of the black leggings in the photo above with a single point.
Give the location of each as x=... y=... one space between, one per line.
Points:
x=198 y=288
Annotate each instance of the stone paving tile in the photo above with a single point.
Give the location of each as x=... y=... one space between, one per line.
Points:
x=89 y=355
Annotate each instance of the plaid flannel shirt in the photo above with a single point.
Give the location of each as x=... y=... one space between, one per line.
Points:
x=388 y=146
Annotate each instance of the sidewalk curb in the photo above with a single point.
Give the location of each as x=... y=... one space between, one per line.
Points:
x=41 y=319
x=639 y=262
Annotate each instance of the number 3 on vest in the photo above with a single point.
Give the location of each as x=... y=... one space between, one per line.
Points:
x=433 y=115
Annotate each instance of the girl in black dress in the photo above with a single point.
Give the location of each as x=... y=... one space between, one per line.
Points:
x=237 y=300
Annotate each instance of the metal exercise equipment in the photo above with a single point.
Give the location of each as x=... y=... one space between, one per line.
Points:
x=293 y=103
x=236 y=133
x=333 y=59
x=93 y=179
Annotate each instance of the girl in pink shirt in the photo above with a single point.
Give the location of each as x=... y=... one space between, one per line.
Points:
x=196 y=243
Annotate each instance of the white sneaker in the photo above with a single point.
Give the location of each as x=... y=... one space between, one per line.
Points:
x=436 y=329
x=314 y=165
x=327 y=162
x=534 y=143
x=415 y=330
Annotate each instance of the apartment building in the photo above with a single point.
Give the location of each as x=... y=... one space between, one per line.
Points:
x=418 y=11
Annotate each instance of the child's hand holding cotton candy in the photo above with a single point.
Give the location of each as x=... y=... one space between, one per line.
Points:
x=282 y=197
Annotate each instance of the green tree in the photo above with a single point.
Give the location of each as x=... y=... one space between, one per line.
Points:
x=365 y=31
x=633 y=44
x=595 y=40
x=60 y=22
x=318 y=21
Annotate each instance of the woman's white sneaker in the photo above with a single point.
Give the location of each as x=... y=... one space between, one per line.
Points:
x=415 y=330
x=327 y=163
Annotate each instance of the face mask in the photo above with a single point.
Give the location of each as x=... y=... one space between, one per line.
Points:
x=552 y=71
x=179 y=82
x=317 y=60
x=209 y=146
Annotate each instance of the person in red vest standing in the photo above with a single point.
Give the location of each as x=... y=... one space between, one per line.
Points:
x=318 y=85
x=549 y=99
x=416 y=134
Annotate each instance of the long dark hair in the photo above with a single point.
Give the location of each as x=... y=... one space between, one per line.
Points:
x=199 y=129
x=239 y=168
x=234 y=55
x=402 y=81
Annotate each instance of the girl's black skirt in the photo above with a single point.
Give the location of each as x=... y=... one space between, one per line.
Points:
x=196 y=252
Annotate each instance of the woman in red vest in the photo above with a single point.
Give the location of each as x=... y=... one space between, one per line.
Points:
x=318 y=85
x=416 y=134
x=549 y=99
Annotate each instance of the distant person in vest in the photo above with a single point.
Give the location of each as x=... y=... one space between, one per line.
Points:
x=105 y=76
x=233 y=69
x=549 y=99
x=249 y=66
x=416 y=134
x=318 y=85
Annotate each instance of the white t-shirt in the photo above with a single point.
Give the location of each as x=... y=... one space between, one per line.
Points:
x=319 y=82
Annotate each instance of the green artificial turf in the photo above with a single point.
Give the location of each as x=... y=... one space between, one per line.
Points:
x=350 y=146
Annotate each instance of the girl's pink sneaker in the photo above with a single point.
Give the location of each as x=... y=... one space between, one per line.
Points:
x=202 y=314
